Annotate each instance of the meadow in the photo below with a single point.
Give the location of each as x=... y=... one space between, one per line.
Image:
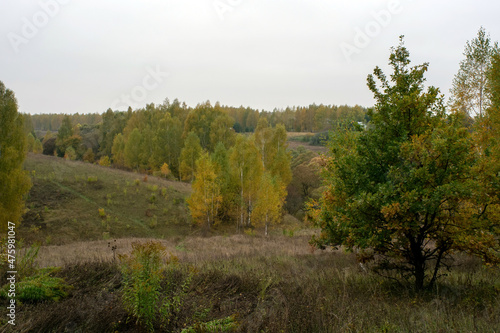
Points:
x=235 y=282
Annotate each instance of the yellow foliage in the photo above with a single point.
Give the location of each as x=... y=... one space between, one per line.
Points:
x=165 y=170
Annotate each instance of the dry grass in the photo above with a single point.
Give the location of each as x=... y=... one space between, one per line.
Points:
x=273 y=284
x=190 y=250
x=316 y=149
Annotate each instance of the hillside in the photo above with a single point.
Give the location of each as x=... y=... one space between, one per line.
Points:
x=76 y=201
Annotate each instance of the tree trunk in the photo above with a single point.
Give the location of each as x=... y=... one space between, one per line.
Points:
x=418 y=262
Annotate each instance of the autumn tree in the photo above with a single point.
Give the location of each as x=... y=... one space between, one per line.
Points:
x=403 y=191
x=246 y=170
x=206 y=198
x=165 y=170
x=132 y=151
x=14 y=181
x=487 y=137
x=118 y=150
x=470 y=85
x=220 y=158
x=189 y=155
x=168 y=142
x=66 y=138
x=269 y=203
x=272 y=145
x=37 y=146
x=30 y=142
x=221 y=130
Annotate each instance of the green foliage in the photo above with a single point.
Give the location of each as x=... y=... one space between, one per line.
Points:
x=66 y=129
x=168 y=143
x=89 y=156
x=189 y=155
x=118 y=150
x=36 y=285
x=141 y=273
x=70 y=154
x=210 y=125
x=91 y=179
x=37 y=146
x=228 y=324
x=30 y=142
x=104 y=161
x=246 y=169
x=132 y=152
x=405 y=187
x=26 y=265
x=40 y=287
x=14 y=181
x=174 y=301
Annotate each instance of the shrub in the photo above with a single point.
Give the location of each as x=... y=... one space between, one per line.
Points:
x=104 y=161
x=141 y=281
x=153 y=223
x=39 y=287
x=91 y=179
x=26 y=266
x=142 y=273
x=70 y=154
x=89 y=156
x=36 y=285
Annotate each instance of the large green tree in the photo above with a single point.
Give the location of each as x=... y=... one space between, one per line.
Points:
x=14 y=181
x=402 y=192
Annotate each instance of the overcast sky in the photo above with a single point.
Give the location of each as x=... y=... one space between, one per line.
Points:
x=68 y=56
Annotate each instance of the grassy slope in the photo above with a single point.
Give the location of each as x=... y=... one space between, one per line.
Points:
x=66 y=196
x=273 y=284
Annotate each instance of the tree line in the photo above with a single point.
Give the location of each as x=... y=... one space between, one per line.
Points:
x=313 y=118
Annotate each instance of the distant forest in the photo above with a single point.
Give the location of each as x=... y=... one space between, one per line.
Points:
x=313 y=118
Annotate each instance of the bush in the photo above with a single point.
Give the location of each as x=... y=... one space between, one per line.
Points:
x=70 y=154
x=89 y=156
x=141 y=281
x=104 y=161
x=143 y=271
x=39 y=287
x=91 y=179
x=36 y=285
